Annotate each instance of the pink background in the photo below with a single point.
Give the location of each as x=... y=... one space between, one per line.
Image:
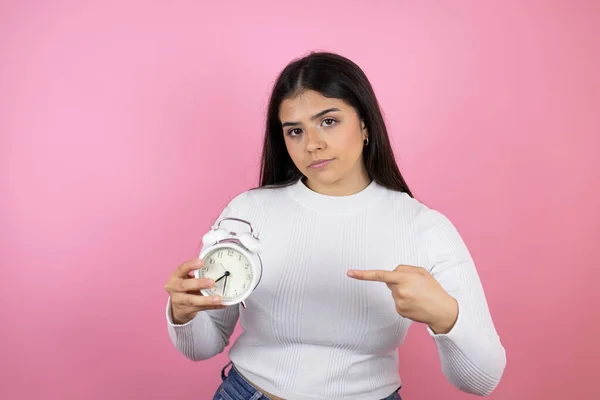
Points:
x=114 y=122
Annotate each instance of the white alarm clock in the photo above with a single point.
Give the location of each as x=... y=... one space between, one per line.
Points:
x=232 y=260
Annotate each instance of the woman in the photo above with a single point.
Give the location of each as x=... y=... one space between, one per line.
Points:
x=350 y=260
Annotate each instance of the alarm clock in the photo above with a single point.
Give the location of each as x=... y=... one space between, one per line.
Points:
x=232 y=261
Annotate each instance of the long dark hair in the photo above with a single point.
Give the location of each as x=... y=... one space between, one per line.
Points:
x=333 y=76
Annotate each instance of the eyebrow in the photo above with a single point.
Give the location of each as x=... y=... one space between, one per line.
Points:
x=312 y=118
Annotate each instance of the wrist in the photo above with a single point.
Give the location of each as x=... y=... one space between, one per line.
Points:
x=446 y=320
x=180 y=319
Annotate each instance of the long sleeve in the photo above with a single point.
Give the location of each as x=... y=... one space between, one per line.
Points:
x=209 y=332
x=472 y=356
x=206 y=335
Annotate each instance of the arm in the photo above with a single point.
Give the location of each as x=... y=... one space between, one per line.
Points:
x=204 y=336
x=208 y=333
x=472 y=357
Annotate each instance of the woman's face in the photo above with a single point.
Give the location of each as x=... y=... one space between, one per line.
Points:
x=325 y=139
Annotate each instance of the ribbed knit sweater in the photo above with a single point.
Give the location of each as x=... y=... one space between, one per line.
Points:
x=310 y=331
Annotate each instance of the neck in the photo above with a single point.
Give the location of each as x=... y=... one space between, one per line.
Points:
x=344 y=186
x=333 y=204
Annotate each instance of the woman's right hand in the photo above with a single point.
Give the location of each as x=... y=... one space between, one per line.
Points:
x=184 y=290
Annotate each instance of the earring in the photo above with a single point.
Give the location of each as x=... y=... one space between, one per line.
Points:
x=366 y=141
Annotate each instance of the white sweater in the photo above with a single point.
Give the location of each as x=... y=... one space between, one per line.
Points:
x=311 y=332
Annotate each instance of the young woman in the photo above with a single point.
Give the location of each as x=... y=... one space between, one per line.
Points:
x=350 y=260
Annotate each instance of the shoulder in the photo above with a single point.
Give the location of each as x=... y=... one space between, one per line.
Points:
x=255 y=197
x=426 y=222
x=427 y=218
x=437 y=235
x=411 y=209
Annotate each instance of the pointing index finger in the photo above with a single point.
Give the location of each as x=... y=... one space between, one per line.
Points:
x=375 y=275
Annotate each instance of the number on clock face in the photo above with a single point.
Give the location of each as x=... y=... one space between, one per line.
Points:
x=231 y=269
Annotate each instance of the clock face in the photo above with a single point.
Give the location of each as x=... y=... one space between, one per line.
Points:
x=231 y=271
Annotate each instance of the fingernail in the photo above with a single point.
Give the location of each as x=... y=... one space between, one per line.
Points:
x=351 y=273
x=216 y=300
x=210 y=282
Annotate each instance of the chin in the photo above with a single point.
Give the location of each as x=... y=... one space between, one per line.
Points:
x=324 y=178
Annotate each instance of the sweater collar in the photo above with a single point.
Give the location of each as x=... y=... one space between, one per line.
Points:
x=323 y=203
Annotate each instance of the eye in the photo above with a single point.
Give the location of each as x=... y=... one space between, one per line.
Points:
x=294 y=131
x=329 y=121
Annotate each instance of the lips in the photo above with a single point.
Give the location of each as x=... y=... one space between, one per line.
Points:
x=320 y=163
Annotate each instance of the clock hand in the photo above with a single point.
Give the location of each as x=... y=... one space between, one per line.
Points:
x=227 y=273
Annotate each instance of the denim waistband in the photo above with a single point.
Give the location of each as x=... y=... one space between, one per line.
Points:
x=244 y=388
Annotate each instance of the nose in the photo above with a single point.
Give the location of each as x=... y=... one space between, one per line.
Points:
x=314 y=141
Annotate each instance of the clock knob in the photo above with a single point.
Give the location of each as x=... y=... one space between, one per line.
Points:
x=214 y=235
x=249 y=241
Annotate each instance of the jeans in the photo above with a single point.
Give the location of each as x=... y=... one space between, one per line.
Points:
x=236 y=387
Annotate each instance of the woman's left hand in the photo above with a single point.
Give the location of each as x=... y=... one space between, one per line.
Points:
x=418 y=296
